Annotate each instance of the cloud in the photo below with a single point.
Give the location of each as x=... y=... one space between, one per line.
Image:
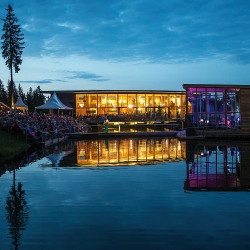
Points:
x=73 y=27
x=164 y=31
x=45 y=81
x=85 y=75
x=134 y=43
x=30 y=26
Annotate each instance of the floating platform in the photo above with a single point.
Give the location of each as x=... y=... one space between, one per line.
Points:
x=96 y=135
x=215 y=134
x=192 y=138
x=227 y=134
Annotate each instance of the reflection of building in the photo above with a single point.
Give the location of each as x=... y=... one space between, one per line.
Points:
x=128 y=151
x=113 y=102
x=217 y=167
x=57 y=157
x=245 y=166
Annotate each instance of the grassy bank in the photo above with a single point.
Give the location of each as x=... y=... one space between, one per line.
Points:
x=11 y=146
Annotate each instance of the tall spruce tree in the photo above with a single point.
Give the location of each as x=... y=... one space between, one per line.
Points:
x=12 y=93
x=12 y=45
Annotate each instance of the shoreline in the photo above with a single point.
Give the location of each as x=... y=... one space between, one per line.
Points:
x=11 y=146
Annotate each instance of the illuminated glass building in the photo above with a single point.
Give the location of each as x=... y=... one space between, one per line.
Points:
x=218 y=106
x=172 y=104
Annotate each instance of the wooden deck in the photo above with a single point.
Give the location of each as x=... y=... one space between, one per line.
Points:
x=96 y=135
x=195 y=137
x=227 y=134
x=215 y=134
x=200 y=135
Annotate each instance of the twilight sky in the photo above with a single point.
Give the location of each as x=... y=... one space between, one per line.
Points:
x=131 y=44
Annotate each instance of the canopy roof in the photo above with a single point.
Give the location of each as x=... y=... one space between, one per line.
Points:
x=20 y=104
x=53 y=103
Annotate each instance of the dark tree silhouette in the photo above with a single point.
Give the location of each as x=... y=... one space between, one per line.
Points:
x=3 y=94
x=12 y=44
x=12 y=92
x=38 y=98
x=21 y=92
x=17 y=212
x=29 y=97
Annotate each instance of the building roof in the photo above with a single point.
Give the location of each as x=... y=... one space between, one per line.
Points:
x=193 y=85
x=115 y=91
x=19 y=103
x=53 y=103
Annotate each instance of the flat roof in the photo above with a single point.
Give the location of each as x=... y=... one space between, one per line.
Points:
x=192 y=85
x=114 y=91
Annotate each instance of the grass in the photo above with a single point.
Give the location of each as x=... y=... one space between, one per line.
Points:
x=11 y=146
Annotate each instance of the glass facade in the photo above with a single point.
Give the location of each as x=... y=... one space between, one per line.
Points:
x=217 y=107
x=171 y=105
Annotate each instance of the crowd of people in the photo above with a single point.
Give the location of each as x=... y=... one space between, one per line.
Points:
x=150 y=116
x=38 y=126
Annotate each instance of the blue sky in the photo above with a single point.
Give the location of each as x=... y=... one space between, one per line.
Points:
x=131 y=44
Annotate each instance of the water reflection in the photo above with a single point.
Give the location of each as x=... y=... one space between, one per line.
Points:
x=16 y=212
x=217 y=166
x=139 y=207
x=56 y=157
x=128 y=151
x=116 y=152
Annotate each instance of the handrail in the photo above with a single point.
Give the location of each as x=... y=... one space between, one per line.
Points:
x=137 y=127
x=2 y=104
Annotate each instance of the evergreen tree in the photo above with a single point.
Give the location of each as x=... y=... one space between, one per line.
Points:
x=20 y=92
x=12 y=93
x=3 y=94
x=12 y=45
x=38 y=97
x=29 y=99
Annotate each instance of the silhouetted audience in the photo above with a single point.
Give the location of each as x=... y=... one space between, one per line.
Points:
x=38 y=126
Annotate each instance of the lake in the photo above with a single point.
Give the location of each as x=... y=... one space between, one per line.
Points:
x=128 y=194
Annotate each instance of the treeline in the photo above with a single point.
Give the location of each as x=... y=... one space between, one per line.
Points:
x=32 y=98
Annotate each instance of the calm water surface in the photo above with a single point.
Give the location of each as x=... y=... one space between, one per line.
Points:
x=136 y=200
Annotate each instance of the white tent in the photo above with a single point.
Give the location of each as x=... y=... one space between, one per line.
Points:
x=53 y=103
x=20 y=104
